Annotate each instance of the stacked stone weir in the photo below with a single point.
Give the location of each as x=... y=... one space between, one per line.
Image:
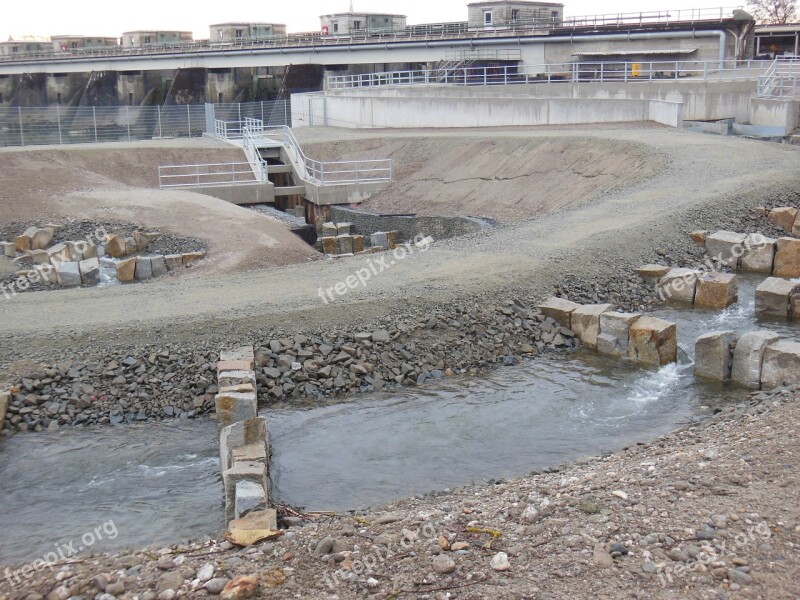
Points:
x=752 y=252
x=337 y=239
x=244 y=447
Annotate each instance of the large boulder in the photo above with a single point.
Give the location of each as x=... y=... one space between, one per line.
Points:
x=126 y=270
x=759 y=253
x=144 y=268
x=726 y=247
x=784 y=217
x=653 y=342
x=679 y=285
x=787 y=258
x=69 y=274
x=781 y=364
x=22 y=243
x=586 y=323
x=116 y=246
x=713 y=355
x=614 y=333
x=90 y=271
x=773 y=297
x=41 y=239
x=560 y=310
x=716 y=290
x=748 y=356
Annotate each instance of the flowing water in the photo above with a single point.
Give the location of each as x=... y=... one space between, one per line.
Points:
x=159 y=482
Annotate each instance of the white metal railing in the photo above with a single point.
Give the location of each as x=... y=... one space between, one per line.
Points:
x=423 y=32
x=585 y=71
x=782 y=79
x=206 y=175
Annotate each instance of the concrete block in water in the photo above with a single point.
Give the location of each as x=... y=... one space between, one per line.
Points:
x=345 y=244
x=90 y=271
x=781 y=364
x=233 y=407
x=759 y=253
x=679 y=285
x=653 y=342
x=586 y=323
x=560 y=310
x=238 y=435
x=144 y=268
x=716 y=290
x=69 y=274
x=713 y=355
x=245 y=471
x=773 y=297
x=614 y=333
x=784 y=217
x=158 y=266
x=748 y=357
x=248 y=497
x=787 y=258
x=726 y=247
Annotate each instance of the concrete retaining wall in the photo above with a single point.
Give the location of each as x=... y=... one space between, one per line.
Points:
x=783 y=115
x=408 y=227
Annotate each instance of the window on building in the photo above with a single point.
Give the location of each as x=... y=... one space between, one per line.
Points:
x=357 y=25
x=239 y=33
x=487 y=17
x=555 y=16
x=147 y=40
x=335 y=27
x=220 y=35
x=74 y=45
x=14 y=49
x=514 y=15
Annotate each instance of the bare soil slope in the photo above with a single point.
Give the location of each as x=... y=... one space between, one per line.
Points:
x=118 y=182
x=504 y=179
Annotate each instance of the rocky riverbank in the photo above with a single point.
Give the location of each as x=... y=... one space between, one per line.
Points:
x=708 y=511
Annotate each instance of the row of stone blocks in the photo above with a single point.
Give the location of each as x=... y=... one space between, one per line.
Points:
x=243 y=442
x=787 y=218
x=645 y=340
x=336 y=229
x=752 y=252
x=756 y=360
x=777 y=297
x=702 y=289
x=140 y=268
x=342 y=244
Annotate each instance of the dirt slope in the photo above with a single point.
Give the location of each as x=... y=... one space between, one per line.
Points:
x=504 y=179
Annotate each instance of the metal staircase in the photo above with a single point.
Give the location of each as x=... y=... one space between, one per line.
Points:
x=782 y=79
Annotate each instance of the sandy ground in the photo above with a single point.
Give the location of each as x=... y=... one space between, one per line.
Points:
x=118 y=182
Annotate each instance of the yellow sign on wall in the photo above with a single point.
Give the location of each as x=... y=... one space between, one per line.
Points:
x=636 y=69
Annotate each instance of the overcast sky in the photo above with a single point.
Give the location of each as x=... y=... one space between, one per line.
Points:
x=94 y=17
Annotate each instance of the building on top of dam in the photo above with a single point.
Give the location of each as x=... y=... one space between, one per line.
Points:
x=64 y=43
x=509 y=13
x=236 y=32
x=348 y=23
x=13 y=47
x=139 y=39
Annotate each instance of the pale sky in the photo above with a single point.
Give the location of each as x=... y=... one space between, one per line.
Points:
x=104 y=18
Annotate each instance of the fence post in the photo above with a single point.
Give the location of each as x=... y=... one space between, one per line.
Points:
x=128 y=121
x=21 y=134
x=286 y=118
x=94 y=120
x=58 y=116
x=189 y=119
x=160 y=131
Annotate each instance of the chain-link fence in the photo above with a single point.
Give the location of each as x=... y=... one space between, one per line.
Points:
x=28 y=126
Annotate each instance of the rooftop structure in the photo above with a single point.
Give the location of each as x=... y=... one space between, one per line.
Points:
x=348 y=23
x=143 y=38
x=63 y=43
x=237 y=31
x=505 y=13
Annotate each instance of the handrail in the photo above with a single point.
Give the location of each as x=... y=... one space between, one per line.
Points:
x=781 y=80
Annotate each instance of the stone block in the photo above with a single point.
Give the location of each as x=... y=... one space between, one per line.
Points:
x=242 y=434
x=144 y=268
x=759 y=253
x=787 y=258
x=379 y=239
x=256 y=527
x=235 y=365
x=256 y=452
x=41 y=239
x=794 y=305
x=784 y=217
x=679 y=285
x=8 y=249
x=796 y=227
x=75 y=250
x=358 y=243
x=191 y=257
x=47 y=273
x=391 y=239
x=716 y=290
x=69 y=274
x=345 y=244
x=652 y=271
x=781 y=364
x=59 y=253
x=585 y=322
x=247 y=353
x=234 y=379
x=773 y=297
x=89 y=250
x=174 y=262
x=653 y=342
x=130 y=246
x=748 y=356
x=713 y=355
x=5 y=398
x=90 y=271
x=158 y=266
x=116 y=247
x=249 y=497
x=726 y=247
x=330 y=245
x=560 y=310
x=329 y=230
x=126 y=270
x=614 y=332
x=244 y=471
x=40 y=257
x=344 y=229
x=142 y=239
x=699 y=237
x=233 y=407
x=22 y=243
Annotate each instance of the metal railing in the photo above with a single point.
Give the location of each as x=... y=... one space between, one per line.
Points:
x=27 y=126
x=413 y=32
x=782 y=80
x=206 y=175
x=577 y=72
